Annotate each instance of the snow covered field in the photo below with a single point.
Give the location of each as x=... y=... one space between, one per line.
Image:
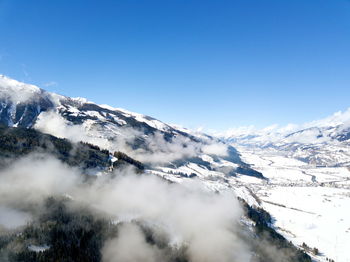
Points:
x=309 y=204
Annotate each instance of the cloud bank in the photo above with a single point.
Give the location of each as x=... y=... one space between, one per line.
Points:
x=188 y=216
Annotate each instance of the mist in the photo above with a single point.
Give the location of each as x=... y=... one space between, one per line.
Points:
x=11 y=218
x=130 y=246
x=202 y=224
x=51 y=122
x=155 y=150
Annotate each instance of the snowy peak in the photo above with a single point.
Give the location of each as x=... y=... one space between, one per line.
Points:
x=334 y=127
x=17 y=91
x=337 y=119
x=21 y=103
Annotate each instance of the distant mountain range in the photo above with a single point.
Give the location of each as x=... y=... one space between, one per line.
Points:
x=323 y=142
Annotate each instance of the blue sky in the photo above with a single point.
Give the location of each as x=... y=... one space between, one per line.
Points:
x=213 y=64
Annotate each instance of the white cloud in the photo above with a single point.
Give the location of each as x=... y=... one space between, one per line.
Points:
x=130 y=246
x=11 y=218
x=206 y=224
x=218 y=149
x=51 y=83
x=53 y=123
x=189 y=215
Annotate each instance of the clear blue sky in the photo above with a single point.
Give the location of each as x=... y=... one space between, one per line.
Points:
x=216 y=64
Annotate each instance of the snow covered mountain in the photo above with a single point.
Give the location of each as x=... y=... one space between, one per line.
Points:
x=168 y=151
x=308 y=169
x=323 y=142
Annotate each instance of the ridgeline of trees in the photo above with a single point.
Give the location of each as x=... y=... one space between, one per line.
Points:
x=124 y=159
x=16 y=142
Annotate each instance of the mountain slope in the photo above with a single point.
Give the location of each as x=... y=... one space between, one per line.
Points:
x=18 y=142
x=164 y=148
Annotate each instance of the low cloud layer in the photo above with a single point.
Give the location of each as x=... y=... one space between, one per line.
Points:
x=205 y=224
x=217 y=149
x=187 y=214
x=130 y=246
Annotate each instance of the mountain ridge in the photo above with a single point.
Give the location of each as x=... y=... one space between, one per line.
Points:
x=142 y=137
x=322 y=142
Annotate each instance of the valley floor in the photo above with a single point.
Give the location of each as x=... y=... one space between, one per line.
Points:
x=309 y=204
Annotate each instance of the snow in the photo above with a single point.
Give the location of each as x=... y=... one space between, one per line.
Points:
x=95 y=114
x=192 y=168
x=244 y=193
x=38 y=249
x=81 y=100
x=141 y=118
x=16 y=91
x=309 y=204
x=308 y=187
x=304 y=133
x=315 y=215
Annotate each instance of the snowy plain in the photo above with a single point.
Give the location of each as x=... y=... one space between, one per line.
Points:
x=309 y=204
